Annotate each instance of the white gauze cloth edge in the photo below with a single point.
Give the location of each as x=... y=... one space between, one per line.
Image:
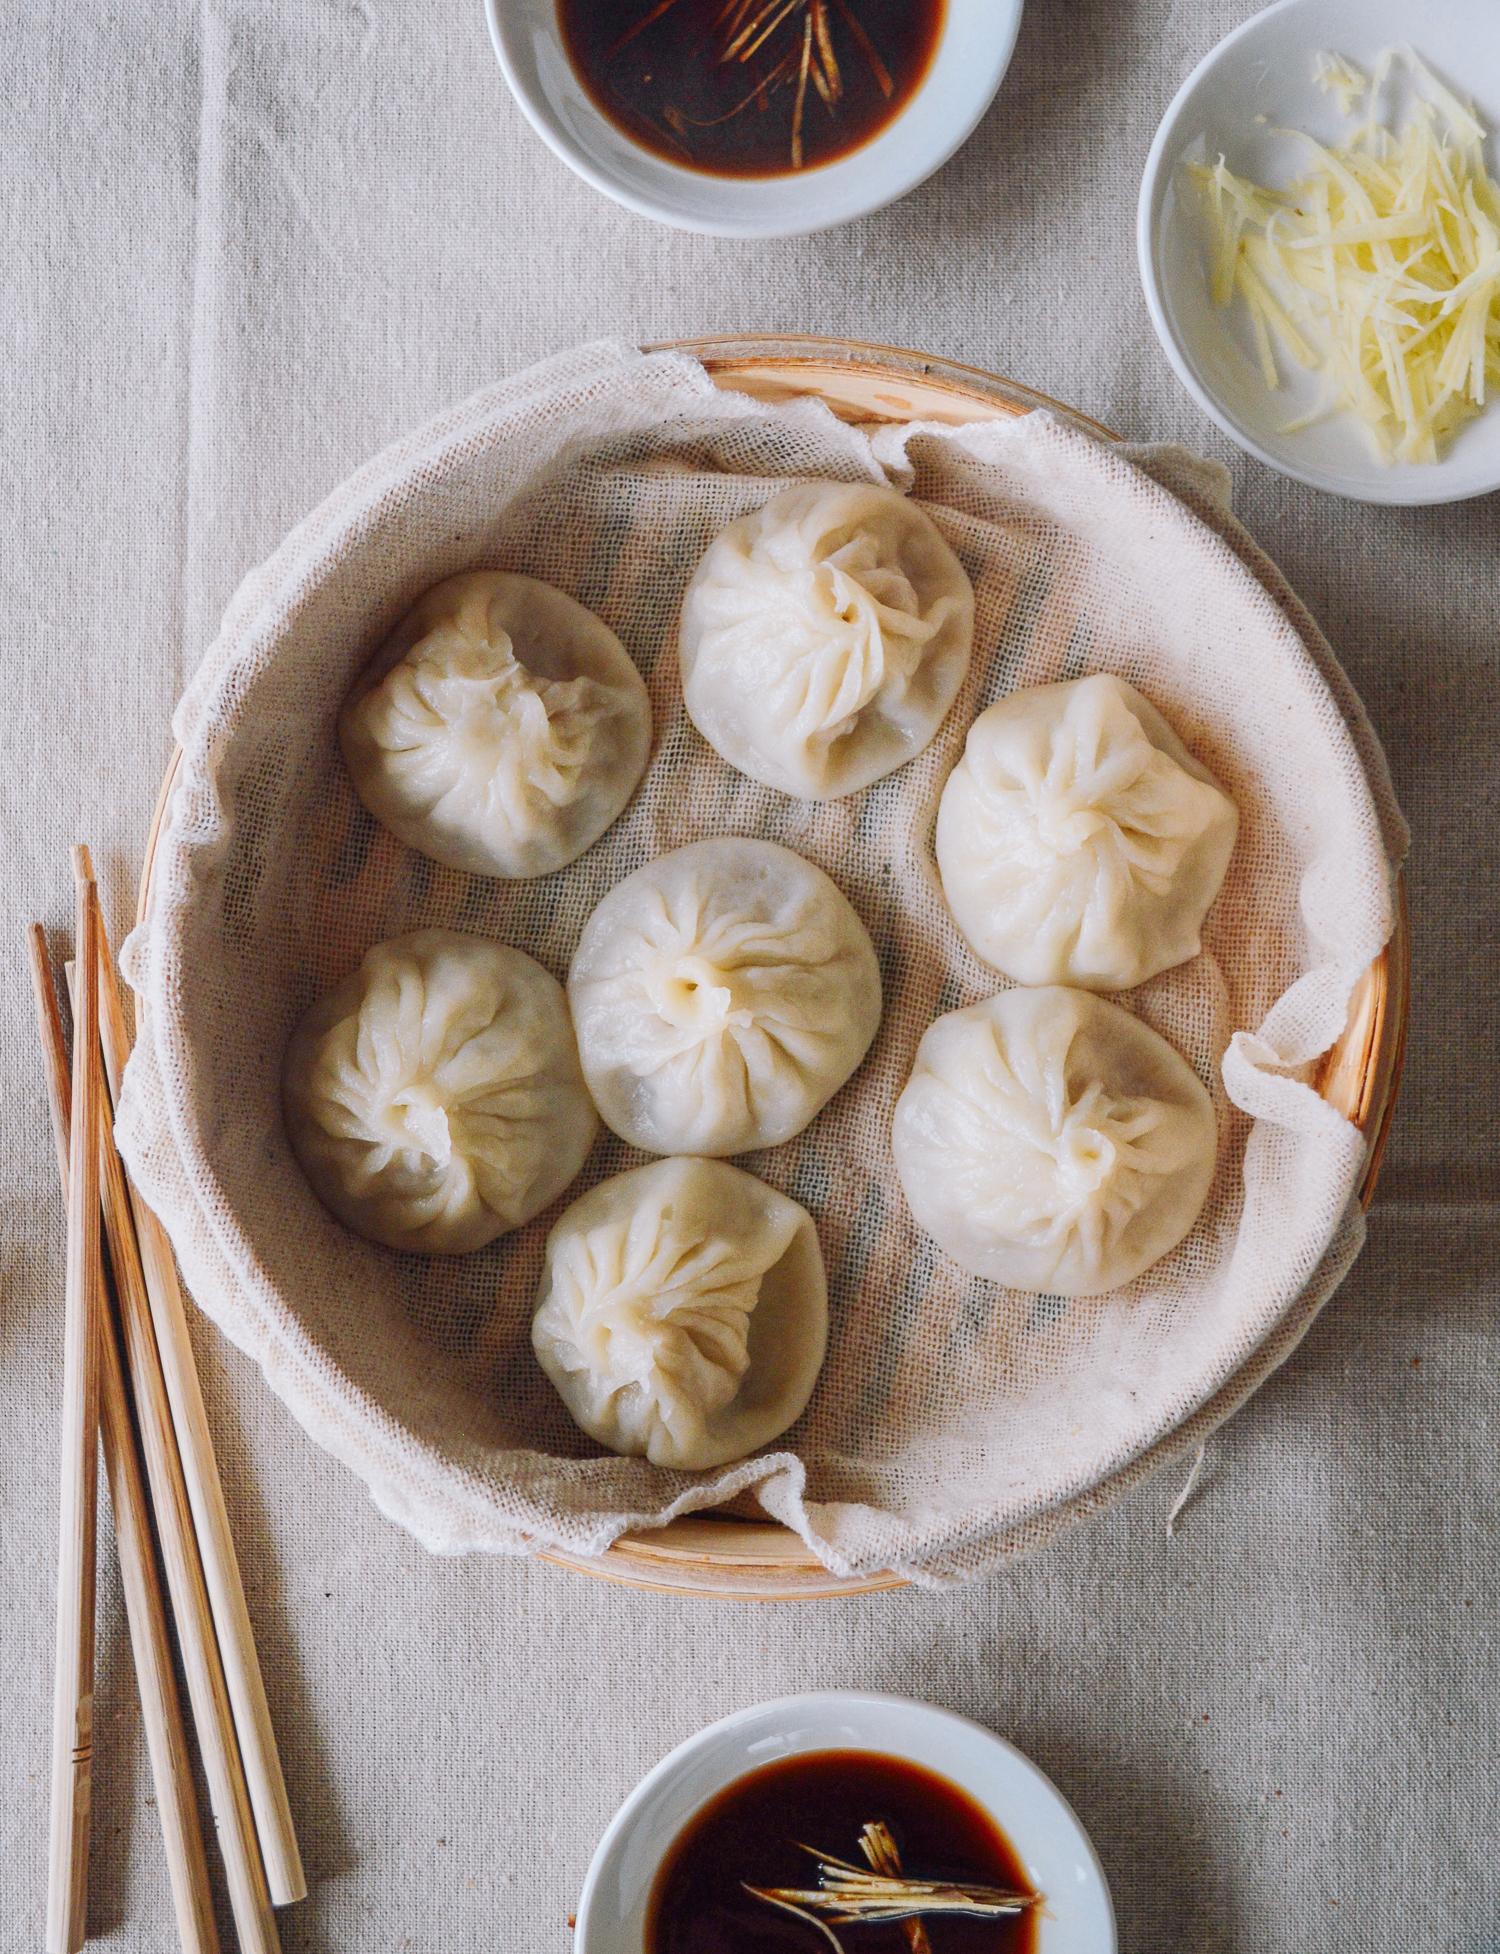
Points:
x=856 y=1514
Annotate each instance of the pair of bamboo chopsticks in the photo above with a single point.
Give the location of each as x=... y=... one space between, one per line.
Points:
x=127 y=1354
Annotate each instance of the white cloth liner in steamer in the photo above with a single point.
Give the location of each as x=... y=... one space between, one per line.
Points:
x=954 y=1423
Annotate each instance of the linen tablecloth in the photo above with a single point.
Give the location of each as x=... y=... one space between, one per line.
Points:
x=248 y=245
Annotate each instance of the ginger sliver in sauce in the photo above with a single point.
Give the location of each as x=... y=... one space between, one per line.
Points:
x=1379 y=269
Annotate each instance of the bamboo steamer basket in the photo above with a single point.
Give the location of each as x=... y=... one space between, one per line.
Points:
x=760 y=1560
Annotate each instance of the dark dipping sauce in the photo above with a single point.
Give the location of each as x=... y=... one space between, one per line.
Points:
x=755 y=89
x=749 y=1832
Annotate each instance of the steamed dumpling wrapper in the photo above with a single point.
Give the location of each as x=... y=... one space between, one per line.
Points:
x=682 y=1313
x=501 y=728
x=1078 y=840
x=1051 y=1141
x=722 y=994
x=434 y=1098
x=824 y=638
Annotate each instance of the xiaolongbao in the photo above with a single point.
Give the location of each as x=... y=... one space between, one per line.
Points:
x=434 y=1098
x=1078 y=840
x=1051 y=1141
x=682 y=1313
x=824 y=638
x=721 y=994
x=500 y=729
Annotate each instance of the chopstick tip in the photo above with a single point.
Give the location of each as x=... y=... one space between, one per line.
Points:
x=41 y=965
x=83 y=863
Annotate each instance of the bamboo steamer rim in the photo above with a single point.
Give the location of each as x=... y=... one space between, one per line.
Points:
x=760 y=1560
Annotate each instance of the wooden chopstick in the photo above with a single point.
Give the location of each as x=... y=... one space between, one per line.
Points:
x=231 y=1618
x=208 y=1694
x=145 y=1612
x=73 y=1692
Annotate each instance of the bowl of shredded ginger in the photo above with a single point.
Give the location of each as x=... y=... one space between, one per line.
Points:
x=1319 y=238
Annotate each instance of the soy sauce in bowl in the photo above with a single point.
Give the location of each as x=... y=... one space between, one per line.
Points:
x=752 y=1832
x=751 y=88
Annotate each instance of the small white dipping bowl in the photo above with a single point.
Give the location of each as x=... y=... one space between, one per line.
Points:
x=1265 y=69
x=1033 y=1814
x=972 y=54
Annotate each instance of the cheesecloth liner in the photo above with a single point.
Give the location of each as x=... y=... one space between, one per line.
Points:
x=954 y=1422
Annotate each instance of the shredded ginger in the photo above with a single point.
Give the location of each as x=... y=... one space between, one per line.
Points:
x=1379 y=269
x=1340 y=79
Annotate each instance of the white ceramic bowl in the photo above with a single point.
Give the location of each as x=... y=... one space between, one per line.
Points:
x=1028 y=1807
x=1265 y=69
x=971 y=58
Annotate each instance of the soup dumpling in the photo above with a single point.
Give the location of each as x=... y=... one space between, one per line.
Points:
x=824 y=638
x=1078 y=840
x=501 y=728
x=434 y=1098
x=1051 y=1141
x=682 y=1313
x=721 y=995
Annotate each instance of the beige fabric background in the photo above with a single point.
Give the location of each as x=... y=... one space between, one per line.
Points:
x=248 y=245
